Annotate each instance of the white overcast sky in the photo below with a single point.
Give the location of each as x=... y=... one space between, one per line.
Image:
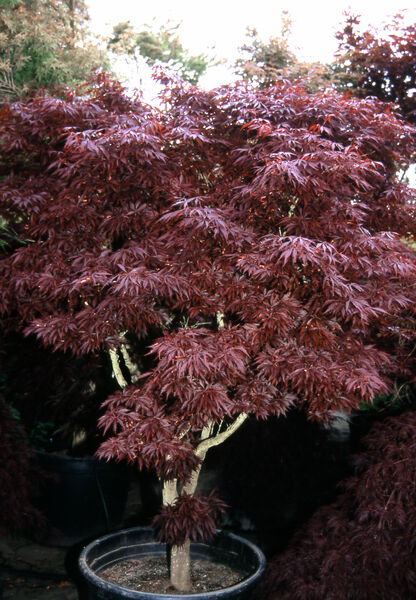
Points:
x=222 y=23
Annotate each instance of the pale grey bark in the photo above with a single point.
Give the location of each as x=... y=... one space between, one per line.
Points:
x=117 y=369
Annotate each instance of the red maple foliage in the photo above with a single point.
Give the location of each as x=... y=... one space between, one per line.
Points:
x=381 y=63
x=190 y=518
x=362 y=547
x=241 y=246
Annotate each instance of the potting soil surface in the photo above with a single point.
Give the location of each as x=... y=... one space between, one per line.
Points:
x=151 y=575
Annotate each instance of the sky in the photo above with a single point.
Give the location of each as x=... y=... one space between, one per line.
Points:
x=222 y=23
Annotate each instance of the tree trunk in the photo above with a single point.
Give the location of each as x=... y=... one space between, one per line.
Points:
x=180 y=556
x=180 y=567
x=180 y=559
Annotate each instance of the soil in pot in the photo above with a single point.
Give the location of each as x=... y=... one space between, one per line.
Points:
x=139 y=543
x=151 y=575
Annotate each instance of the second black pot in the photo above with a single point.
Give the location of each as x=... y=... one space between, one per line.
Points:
x=83 y=497
x=139 y=542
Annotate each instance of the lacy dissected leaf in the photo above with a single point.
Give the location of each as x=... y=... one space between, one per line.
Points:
x=190 y=517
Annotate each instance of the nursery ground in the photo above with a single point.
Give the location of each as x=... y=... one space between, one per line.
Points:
x=33 y=571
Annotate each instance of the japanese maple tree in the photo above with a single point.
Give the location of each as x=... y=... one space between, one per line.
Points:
x=235 y=252
x=380 y=62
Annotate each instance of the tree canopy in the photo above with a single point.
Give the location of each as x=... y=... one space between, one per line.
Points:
x=380 y=62
x=263 y=62
x=43 y=44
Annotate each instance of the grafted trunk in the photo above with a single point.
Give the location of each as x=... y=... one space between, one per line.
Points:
x=180 y=556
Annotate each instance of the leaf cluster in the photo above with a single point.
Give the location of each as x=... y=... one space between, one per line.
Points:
x=189 y=518
x=367 y=537
x=380 y=62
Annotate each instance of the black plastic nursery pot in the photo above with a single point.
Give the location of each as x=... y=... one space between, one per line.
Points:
x=84 y=497
x=140 y=542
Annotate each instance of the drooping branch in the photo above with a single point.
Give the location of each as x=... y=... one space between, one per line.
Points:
x=117 y=369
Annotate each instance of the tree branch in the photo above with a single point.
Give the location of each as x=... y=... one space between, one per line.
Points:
x=117 y=369
x=190 y=486
x=133 y=369
x=169 y=491
x=208 y=443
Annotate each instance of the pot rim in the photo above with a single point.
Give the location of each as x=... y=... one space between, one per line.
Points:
x=91 y=576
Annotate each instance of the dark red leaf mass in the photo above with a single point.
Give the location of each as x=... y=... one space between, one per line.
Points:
x=190 y=518
x=362 y=547
x=250 y=240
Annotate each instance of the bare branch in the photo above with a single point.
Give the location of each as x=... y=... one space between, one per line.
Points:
x=206 y=432
x=208 y=443
x=169 y=492
x=117 y=369
x=190 y=486
x=220 y=320
x=133 y=369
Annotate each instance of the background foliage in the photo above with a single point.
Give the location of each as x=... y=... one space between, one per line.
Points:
x=44 y=44
x=380 y=63
x=159 y=46
x=361 y=547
